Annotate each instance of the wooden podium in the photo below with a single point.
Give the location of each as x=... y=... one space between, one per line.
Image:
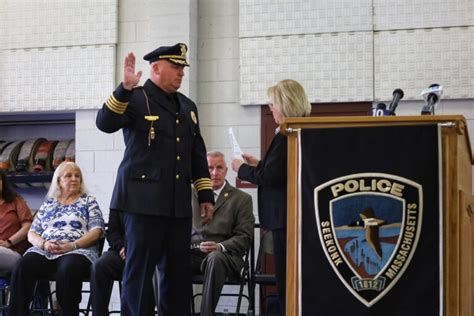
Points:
x=457 y=206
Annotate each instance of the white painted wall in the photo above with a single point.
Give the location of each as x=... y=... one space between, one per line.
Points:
x=218 y=92
x=343 y=50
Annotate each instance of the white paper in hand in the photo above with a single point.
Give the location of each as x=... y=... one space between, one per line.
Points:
x=236 y=150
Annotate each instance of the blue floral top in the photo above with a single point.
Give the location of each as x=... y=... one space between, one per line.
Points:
x=55 y=221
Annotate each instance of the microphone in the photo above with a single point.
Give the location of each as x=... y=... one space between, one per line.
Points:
x=397 y=96
x=380 y=110
x=432 y=95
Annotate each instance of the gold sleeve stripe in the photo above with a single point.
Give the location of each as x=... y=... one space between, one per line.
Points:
x=203 y=184
x=202 y=180
x=200 y=188
x=116 y=106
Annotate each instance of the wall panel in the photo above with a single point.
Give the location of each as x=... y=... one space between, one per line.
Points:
x=336 y=67
x=409 y=14
x=64 y=78
x=52 y=23
x=414 y=59
x=277 y=17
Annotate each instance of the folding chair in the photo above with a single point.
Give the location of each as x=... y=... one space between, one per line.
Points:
x=258 y=275
x=241 y=280
x=4 y=283
x=120 y=294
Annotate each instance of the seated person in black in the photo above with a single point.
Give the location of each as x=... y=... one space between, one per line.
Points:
x=109 y=266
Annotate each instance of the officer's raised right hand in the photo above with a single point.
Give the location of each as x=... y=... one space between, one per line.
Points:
x=130 y=78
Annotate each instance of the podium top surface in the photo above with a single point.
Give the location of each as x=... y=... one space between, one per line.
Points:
x=338 y=121
x=448 y=121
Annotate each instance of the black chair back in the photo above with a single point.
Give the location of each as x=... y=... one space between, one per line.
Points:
x=258 y=275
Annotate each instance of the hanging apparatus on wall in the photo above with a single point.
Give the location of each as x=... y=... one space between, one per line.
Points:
x=27 y=154
x=43 y=157
x=25 y=160
x=3 y=145
x=9 y=155
x=71 y=151
x=59 y=153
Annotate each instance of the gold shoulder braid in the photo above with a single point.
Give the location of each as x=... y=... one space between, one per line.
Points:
x=151 y=119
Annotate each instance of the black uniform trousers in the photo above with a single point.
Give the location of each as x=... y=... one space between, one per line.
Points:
x=107 y=269
x=156 y=241
x=70 y=271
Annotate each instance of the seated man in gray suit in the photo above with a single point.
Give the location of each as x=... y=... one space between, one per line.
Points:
x=218 y=247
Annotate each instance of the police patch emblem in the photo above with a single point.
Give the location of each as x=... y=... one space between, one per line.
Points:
x=369 y=225
x=194 y=117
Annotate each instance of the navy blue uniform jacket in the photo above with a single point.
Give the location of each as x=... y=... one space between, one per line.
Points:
x=155 y=175
x=270 y=175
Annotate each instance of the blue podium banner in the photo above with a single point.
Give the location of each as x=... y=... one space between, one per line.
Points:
x=370 y=221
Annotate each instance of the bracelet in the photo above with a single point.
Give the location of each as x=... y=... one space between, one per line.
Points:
x=74 y=245
x=42 y=244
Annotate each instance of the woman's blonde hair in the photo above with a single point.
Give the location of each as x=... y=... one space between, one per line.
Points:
x=55 y=190
x=290 y=98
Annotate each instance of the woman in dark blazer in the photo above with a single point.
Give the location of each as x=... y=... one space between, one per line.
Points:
x=287 y=99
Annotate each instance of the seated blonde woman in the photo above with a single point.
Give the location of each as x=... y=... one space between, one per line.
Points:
x=64 y=235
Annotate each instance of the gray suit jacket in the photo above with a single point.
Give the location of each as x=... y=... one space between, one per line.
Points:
x=232 y=224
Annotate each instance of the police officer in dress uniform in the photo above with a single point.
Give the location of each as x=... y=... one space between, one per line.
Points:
x=164 y=154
